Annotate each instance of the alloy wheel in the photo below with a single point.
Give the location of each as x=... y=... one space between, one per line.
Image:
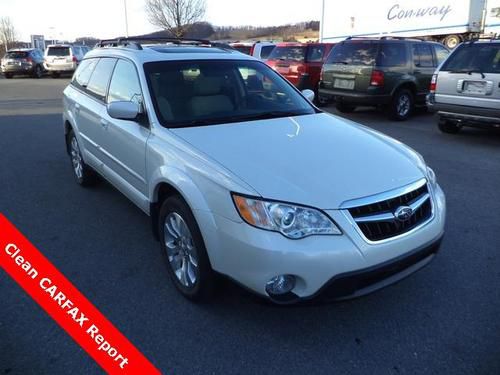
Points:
x=181 y=251
x=403 y=106
x=76 y=159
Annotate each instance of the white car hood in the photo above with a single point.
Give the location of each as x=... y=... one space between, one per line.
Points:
x=318 y=160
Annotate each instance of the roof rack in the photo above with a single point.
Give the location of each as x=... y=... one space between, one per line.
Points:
x=135 y=42
x=385 y=37
x=491 y=38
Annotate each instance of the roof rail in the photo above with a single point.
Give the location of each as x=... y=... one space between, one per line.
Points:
x=385 y=37
x=135 y=42
x=491 y=38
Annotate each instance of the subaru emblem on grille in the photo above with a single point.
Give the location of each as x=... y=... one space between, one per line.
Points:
x=403 y=213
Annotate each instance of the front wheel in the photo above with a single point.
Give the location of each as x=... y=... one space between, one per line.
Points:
x=37 y=73
x=184 y=250
x=448 y=127
x=84 y=175
x=402 y=105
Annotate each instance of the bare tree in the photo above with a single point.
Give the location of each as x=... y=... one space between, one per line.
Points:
x=176 y=16
x=7 y=32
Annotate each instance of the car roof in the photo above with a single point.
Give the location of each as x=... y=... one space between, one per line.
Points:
x=168 y=52
x=21 y=49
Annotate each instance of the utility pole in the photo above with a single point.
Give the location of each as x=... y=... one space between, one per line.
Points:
x=126 y=17
x=321 y=27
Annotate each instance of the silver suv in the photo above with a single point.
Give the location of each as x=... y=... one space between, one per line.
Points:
x=465 y=90
x=63 y=58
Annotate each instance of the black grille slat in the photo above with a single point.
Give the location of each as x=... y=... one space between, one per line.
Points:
x=379 y=230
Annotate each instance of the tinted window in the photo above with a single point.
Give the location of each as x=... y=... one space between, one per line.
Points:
x=200 y=93
x=422 y=55
x=84 y=71
x=353 y=53
x=315 y=53
x=295 y=53
x=266 y=51
x=125 y=84
x=100 y=77
x=16 y=55
x=243 y=49
x=475 y=57
x=441 y=53
x=58 y=51
x=392 y=54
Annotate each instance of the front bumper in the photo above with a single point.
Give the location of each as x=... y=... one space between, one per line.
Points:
x=346 y=264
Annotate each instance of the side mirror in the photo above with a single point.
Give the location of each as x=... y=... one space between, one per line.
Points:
x=309 y=94
x=124 y=110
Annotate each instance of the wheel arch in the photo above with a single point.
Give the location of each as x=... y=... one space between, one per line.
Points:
x=410 y=85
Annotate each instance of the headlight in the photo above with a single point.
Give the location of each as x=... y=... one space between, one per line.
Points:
x=290 y=220
x=431 y=176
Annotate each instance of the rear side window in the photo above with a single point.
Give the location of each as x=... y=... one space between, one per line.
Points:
x=266 y=51
x=125 y=84
x=422 y=55
x=392 y=55
x=243 y=49
x=315 y=53
x=98 y=83
x=441 y=53
x=474 y=57
x=353 y=53
x=294 y=53
x=58 y=51
x=83 y=72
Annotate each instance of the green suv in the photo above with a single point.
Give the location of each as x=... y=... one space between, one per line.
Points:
x=394 y=73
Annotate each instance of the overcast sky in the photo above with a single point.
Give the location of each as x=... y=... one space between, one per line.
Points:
x=68 y=19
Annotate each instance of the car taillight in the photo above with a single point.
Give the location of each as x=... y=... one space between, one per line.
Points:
x=433 y=86
x=29 y=59
x=377 y=78
x=252 y=49
x=75 y=59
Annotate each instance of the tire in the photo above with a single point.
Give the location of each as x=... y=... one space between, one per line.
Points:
x=448 y=127
x=84 y=175
x=344 y=107
x=451 y=41
x=320 y=101
x=402 y=105
x=37 y=73
x=8 y=75
x=186 y=257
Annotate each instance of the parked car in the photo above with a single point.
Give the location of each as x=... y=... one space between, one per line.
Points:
x=465 y=91
x=300 y=63
x=63 y=58
x=22 y=61
x=241 y=175
x=260 y=50
x=394 y=73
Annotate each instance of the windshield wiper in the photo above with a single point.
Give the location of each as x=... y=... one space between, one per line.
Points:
x=467 y=71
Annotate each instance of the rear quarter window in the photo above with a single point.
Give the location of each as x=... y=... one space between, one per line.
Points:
x=315 y=53
x=441 y=53
x=83 y=72
x=392 y=55
x=353 y=53
x=101 y=75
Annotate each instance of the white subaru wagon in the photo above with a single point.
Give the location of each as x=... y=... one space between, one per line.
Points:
x=243 y=176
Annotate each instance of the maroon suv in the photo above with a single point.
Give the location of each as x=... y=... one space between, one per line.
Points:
x=300 y=63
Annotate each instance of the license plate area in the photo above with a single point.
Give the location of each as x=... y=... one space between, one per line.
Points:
x=346 y=84
x=474 y=87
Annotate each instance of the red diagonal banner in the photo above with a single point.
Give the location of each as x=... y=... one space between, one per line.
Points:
x=67 y=306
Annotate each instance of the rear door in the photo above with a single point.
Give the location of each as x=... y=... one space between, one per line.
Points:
x=471 y=76
x=423 y=67
x=315 y=56
x=124 y=141
x=349 y=66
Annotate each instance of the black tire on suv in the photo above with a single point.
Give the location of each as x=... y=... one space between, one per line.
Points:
x=447 y=126
x=84 y=175
x=402 y=105
x=345 y=107
x=184 y=251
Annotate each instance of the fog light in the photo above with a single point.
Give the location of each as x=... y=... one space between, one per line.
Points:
x=281 y=284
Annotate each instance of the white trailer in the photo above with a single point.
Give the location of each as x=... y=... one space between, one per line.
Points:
x=448 y=21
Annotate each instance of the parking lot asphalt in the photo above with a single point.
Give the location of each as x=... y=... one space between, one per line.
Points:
x=442 y=320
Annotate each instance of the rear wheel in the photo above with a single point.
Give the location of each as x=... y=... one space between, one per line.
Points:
x=447 y=126
x=8 y=75
x=402 y=105
x=184 y=250
x=451 y=41
x=55 y=75
x=344 y=107
x=84 y=175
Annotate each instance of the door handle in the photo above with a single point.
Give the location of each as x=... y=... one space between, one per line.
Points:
x=104 y=123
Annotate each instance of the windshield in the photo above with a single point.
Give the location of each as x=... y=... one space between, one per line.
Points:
x=353 y=53
x=478 y=57
x=195 y=93
x=16 y=55
x=295 y=53
x=58 y=51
